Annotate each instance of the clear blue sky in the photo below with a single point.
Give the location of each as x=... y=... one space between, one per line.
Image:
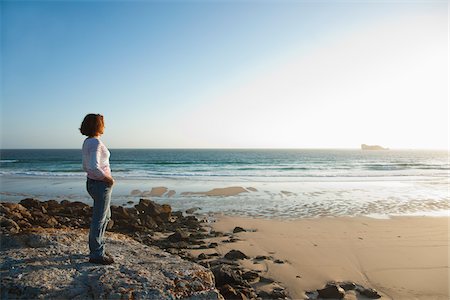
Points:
x=225 y=73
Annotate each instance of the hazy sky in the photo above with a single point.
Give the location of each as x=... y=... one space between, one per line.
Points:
x=192 y=74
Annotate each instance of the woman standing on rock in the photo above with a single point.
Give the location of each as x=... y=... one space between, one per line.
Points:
x=99 y=185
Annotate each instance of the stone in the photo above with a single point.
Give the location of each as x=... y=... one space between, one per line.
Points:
x=178 y=236
x=332 y=291
x=235 y=255
x=4 y=210
x=250 y=276
x=347 y=286
x=261 y=257
x=228 y=292
x=279 y=293
x=238 y=229
x=148 y=207
x=18 y=211
x=202 y=256
x=166 y=212
x=264 y=295
x=8 y=225
x=52 y=222
x=30 y=203
x=224 y=274
x=278 y=261
x=369 y=293
x=192 y=210
x=51 y=204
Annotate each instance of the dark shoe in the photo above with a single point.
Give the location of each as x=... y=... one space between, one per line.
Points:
x=105 y=260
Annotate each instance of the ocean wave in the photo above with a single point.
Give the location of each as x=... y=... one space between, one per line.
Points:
x=8 y=160
x=42 y=174
x=277 y=173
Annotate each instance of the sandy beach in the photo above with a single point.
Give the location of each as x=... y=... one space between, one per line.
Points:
x=402 y=257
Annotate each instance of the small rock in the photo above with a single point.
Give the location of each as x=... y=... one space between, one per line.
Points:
x=279 y=293
x=261 y=257
x=30 y=203
x=279 y=261
x=235 y=255
x=250 y=276
x=8 y=225
x=190 y=211
x=238 y=229
x=52 y=222
x=230 y=293
x=178 y=236
x=369 y=293
x=332 y=291
x=232 y=240
x=202 y=256
x=347 y=286
x=224 y=274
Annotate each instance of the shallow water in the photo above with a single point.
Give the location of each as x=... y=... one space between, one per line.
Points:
x=278 y=183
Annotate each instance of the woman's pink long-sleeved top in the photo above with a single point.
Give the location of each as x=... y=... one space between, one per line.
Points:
x=96 y=159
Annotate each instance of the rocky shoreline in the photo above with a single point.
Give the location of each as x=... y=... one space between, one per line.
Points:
x=134 y=233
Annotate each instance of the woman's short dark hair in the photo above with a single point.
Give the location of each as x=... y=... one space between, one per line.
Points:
x=92 y=125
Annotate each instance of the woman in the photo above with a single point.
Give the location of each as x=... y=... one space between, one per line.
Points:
x=99 y=185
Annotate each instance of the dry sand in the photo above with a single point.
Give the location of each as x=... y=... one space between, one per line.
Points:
x=402 y=258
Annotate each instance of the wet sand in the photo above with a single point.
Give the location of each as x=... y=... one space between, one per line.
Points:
x=402 y=257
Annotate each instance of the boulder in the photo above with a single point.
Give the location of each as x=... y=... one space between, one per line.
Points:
x=149 y=207
x=31 y=203
x=14 y=211
x=331 y=291
x=178 y=236
x=235 y=255
x=8 y=225
x=224 y=274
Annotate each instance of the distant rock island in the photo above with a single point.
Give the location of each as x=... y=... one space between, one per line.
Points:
x=372 y=147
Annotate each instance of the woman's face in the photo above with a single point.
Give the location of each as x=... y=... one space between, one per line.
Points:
x=102 y=126
x=102 y=129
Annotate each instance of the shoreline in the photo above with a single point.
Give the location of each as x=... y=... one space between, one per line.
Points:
x=247 y=198
x=401 y=257
x=396 y=258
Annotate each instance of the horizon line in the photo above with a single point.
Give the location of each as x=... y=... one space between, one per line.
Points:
x=234 y=148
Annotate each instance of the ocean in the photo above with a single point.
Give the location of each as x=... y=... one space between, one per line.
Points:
x=275 y=183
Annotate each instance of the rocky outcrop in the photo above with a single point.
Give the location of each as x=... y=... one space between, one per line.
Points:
x=34 y=222
x=372 y=147
x=44 y=255
x=52 y=264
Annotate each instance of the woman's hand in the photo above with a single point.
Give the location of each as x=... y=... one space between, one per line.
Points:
x=109 y=180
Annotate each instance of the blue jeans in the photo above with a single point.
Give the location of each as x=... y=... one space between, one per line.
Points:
x=100 y=192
